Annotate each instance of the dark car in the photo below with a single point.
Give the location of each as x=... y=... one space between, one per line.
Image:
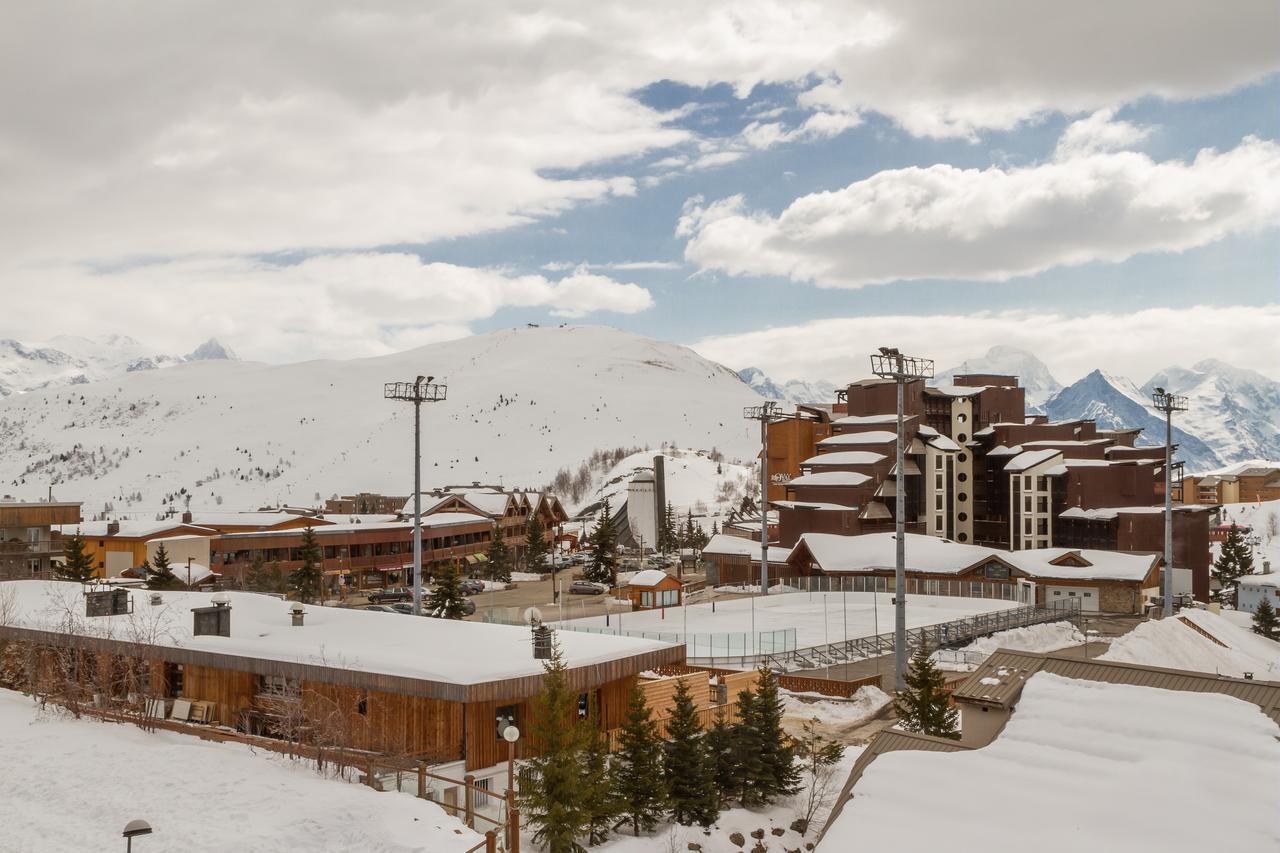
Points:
x=586 y=588
x=380 y=608
x=471 y=586
x=386 y=596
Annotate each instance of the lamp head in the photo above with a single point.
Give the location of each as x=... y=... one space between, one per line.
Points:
x=134 y=828
x=1160 y=391
x=511 y=734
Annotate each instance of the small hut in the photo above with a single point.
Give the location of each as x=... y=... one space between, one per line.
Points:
x=653 y=588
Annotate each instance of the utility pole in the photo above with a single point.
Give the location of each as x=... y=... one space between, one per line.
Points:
x=892 y=364
x=420 y=391
x=1168 y=403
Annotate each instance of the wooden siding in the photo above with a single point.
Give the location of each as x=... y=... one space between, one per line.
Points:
x=230 y=691
x=387 y=723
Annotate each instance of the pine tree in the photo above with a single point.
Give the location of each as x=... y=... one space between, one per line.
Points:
x=715 y=528
x=604 y=561
x=721 y=750
x=1235 y=558
x=276 y=579
x=637 y=767
x=600 y=802
x=76 y=564
x=691 y=531
x=924 y=707
x=446 y=600
x=256 y=577
x=160 y=573
x=550 y=796
x=536 y=547
x=778 y=775
x=499 y=558
x=687 y=768
x=750 y=774
x=668 y=536
x=1264 y=619
x=306 y=579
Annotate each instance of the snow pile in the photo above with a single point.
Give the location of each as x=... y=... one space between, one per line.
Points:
x=1175 y=644
x=1083 y=766
x=844 y=714
x=87 y=779
x=1046 y=637
x=526 y=576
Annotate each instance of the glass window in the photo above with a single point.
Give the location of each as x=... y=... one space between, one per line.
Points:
x=646 y=598
x=937 y=462
x=1042 y=484
x=1026 y=483
x=503 y=717
x=937 y=501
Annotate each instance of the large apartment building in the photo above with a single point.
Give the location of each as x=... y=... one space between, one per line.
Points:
x=978 y=470
x=29 y=543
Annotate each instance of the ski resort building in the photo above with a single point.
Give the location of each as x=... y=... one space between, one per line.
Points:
x=114 y=546
x=1252 y=484
x=30 y=535
x=435 y=690
x=978 y=470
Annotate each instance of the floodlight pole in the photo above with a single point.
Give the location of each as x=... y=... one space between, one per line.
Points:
x=892 y=364
x=420 y=391
x=763 y=413
x=1168 y=403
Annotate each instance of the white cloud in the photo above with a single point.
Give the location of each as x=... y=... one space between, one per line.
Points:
x=1133 y=344
x=996 y=223
x=620 y=266
x=1099 y=132
x=334 y=305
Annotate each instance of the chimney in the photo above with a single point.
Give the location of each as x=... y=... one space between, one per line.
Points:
x=186 y=517
x=113 y=528
x=296 y=612
x=542 y=643
x=213 y=621
x=156 y=599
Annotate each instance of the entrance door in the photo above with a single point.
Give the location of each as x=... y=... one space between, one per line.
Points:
x=1026 y=591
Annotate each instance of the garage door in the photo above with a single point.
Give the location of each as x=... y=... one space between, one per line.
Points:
x=1086 y=595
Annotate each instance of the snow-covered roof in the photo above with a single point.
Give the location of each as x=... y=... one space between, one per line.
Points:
x=648 y=577
x=830 y=478
x=439 y=650
x=1106 y=513
x=128 y=528
x=1228 y=649
x=262 y=518
x=875 y=436
x=869 y=552
x=845 y=457
x=1071 y=770
x=818 y=505
x=441 y=519
x=1002 y=450
x=958 y=390
x=891 y=418
x=1269 y=579
x=941 y=442
x=1029 y=459
x=724 y=545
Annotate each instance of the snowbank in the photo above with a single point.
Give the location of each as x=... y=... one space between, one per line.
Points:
x=85 y=779
x=1083 y=766
x=841 y=713
x=1048 y=637
x=1176 y=644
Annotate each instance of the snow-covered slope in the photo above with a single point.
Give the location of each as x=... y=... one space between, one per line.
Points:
x=695 y=482
x=1233 y=410
x=791 y=391
x=70 y=360
x=521 y=405
x=1115 y=402
x=1033 y=374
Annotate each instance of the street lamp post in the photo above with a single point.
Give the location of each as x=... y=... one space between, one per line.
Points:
x=419 y=391
x=764 y=414
x=511 y=734
x=892 y=364
x=1168 y=403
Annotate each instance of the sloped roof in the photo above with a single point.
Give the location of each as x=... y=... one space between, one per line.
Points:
x=1029 y=459
x=845 y=457
x=830 y=478
x=875 y=436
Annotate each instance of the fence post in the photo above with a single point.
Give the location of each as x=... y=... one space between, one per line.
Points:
x=469 y=801
x=491 y=842
x=369 y=775
x=422 y=780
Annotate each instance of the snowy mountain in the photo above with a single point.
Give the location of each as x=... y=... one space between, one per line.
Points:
x=1115 y=402
x=522 y=405
x=1234 y=410
x=1032 y=373
x=70 y=360
x=791 y=391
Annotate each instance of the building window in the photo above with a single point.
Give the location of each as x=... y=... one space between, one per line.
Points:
x=584 y=705
x=937 y=524
x=1042 y=527
x=962 y=476
x=962 y=438
x=962 y=497
x=963 y=517
x=1026 y=526
x=962 y=537
x=962 y=417
x=1026 y=503
x=1042 y=504
x=1041 y=484
x=503 y=717
x=362 y=705
x=937 y=501
x=937 y=482
x=937 y=461
x=962 y=457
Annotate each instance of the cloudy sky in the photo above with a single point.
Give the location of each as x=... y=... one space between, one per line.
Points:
x=780 y=184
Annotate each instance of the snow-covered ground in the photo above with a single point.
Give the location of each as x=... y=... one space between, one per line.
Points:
x=1047 y=637
x=1174 y=644
x=695 y=482
x=1264 y=519
x=1082 y=766
x=71 y=785
x=522 y=404
x=852 y=614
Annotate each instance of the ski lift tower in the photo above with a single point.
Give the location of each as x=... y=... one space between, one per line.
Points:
x=421 y=390
x=892 y=364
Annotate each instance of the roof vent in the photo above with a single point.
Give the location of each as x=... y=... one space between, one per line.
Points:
x=212 y=621
x=107 y=602
x=186 y=517
x=542 y=643
x=297 y=613
x=156 y=598
x=113 y=528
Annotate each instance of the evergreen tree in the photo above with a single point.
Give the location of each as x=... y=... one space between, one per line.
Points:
x=924 y=707
x=1235 y=558
x=306 y=579
x=1264 y=619
x=668 y=536
x=637 y=767
x=749 y=773
x=159 y=573
x=256 y=577
x=536 y=547
x=715 y=528
x=76 y=564
x=687 y=768
x=604 y=561
x=499 y=558
x=600 y=801
x=550 y=796
x=276 y=579
x=446 y=600
x=777 y=774
x=721 y=750
x=691 y=531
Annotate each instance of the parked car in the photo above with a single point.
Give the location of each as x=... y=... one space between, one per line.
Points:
x=386 y=596
x=586 y=588
x=405 y=607
x=380 y=608
x=472 y=586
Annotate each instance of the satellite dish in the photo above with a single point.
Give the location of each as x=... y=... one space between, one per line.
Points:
x=532 y=616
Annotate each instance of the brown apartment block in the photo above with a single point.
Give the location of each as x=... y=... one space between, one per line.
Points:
x=28 y=538
x=979 y=470
x=1261 y=483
